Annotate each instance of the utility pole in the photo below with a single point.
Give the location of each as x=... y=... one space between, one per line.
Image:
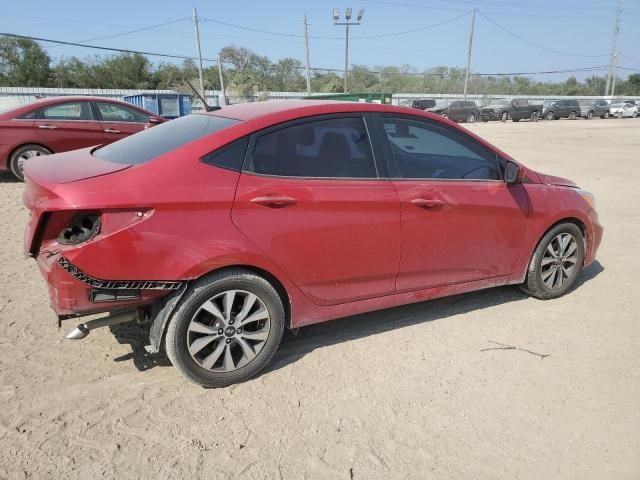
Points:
x=197 y=30
x=347 y=23
x=306 y=54
x=224 y=93
x=611 y=82
x=466 y=73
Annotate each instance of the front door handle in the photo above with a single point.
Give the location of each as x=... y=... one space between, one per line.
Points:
x=47 y=127
x=427 y=202
x=111 y=130
x=274 y=201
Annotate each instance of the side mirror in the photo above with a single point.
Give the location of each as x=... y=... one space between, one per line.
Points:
x=513 y=173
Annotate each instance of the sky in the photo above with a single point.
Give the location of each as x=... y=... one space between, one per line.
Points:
x=510 y=35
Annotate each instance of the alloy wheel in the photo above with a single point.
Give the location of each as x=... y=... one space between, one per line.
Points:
x=228 y=331
x=26 y=155
x=559 y=261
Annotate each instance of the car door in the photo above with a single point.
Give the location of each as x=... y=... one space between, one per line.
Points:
x=119 y=121
x=460 y=221
x=310 y=197
x=454 y=111
x=68 y=126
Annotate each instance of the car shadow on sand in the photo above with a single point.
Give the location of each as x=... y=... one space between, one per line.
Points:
x=8 y=177
x=294 y=347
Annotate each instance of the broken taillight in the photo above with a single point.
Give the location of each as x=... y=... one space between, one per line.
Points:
x=81 y=228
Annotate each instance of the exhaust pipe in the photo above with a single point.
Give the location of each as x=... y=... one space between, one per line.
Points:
x=83 y=329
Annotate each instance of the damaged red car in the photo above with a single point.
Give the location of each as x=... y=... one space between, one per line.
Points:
x=222 y=229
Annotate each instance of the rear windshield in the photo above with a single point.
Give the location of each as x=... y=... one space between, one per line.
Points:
x=163 y=138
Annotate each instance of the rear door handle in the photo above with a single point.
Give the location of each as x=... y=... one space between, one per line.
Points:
x=427 y=202
x=47 y=127
x=274 y=201
x=111 y=130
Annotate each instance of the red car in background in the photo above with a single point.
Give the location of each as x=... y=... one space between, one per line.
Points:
x=59 y=124
x=222 y=229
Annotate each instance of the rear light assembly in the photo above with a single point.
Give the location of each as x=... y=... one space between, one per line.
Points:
x=80 y=229
x=64 y=228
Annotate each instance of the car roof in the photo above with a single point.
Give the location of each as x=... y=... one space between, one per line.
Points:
x=302 y=108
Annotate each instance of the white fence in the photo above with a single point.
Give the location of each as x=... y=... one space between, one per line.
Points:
x=29 y=94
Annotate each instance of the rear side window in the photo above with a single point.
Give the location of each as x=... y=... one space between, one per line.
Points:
x=66 y=111
x=429 y=151
x=153 y=142
x=111 y=112
x=331 y=148
x=230 y=156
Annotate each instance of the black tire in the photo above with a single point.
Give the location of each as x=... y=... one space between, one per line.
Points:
x=444 y=115
x=549 y=116
x=471 y=118
x=15 y=161
x=504 y=117
x=534 y=284
x=589 y=115
x=534 y=116
x=573 y=116
x=199 y=292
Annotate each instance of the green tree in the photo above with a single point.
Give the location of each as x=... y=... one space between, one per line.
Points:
x=23 y=63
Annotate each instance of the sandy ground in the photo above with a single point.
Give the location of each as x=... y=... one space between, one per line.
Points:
x=404 y=393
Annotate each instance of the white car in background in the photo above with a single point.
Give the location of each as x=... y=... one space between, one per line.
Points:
x=625 y=110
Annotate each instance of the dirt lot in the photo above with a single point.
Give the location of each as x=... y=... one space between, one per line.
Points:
x=404 y=393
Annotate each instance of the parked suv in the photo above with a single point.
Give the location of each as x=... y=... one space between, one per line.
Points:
x=462 y=111
x=423 y=103
x=594 y=108
x=516 y=109
x=556 y=109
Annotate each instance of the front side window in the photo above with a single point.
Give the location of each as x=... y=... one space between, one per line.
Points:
x=429 y=151
x=67 y=111
x=117 y=113
x=331 y=148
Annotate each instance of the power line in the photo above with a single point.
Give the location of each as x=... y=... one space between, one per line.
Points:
x=295 y=35
x=415 y=5
x=522 y=39
x=137 y=30
x=97 y=47
x=336 y=70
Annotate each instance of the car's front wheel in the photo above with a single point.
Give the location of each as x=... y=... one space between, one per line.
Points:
x=226 y=329
x=550 y=116
x=556 y=262
x=23 y=154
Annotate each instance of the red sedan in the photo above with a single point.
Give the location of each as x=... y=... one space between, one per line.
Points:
x=59 y=124
x=222 y=229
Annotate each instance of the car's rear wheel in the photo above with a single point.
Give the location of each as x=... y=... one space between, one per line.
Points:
x=226 y=329
x=556 y=262
x=534 y=117
x=549 y=116
x=22 y=154
x=573 y=116
x=471 y=118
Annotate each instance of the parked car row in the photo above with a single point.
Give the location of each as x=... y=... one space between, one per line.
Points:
x=521 y=109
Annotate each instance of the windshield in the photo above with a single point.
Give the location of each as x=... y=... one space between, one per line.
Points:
x=155 y=141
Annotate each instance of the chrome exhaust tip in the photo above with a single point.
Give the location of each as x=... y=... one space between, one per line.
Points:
x=77 y=333
x=83 y=329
